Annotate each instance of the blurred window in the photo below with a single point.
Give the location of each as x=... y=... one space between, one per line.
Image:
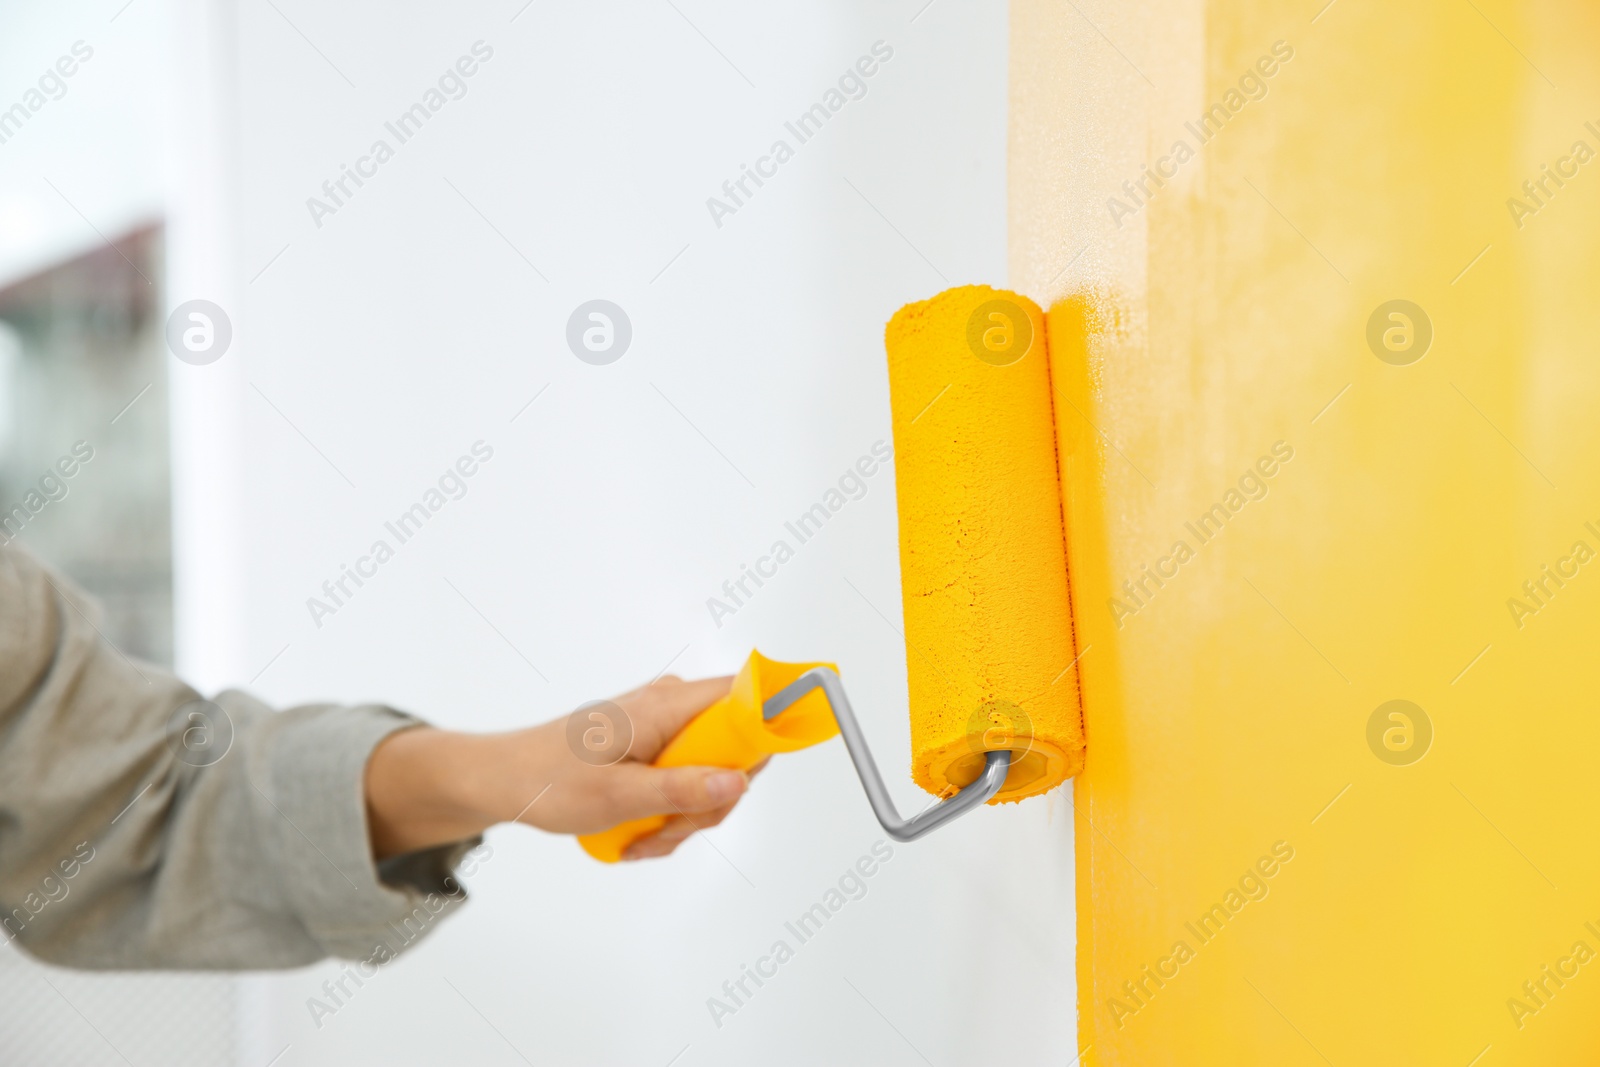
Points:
x=83 y=374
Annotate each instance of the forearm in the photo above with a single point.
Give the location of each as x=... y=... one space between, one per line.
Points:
x=427 y=787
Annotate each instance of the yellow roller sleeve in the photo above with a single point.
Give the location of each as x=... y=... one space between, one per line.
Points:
x=731 y=733
x=983 y=567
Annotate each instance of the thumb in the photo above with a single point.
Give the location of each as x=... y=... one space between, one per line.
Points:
x=647 y=790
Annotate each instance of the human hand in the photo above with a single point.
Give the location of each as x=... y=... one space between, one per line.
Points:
x=428 y=787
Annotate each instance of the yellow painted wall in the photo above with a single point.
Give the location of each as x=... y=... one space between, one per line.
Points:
x=1228 y=715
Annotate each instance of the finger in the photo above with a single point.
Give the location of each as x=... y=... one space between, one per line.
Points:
x=639 y=690
x=637 y=791
x=675 y=831
x=650 y=847
x=636 y=691
x=758 y=768
x=661 y=842
x=659 y=711
x=678 y=827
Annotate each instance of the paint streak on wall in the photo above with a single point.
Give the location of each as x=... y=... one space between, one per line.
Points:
x=1292 y=502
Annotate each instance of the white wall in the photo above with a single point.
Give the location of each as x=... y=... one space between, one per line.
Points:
x=406 y=327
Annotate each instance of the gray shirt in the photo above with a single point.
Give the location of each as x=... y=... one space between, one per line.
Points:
x=143 y=827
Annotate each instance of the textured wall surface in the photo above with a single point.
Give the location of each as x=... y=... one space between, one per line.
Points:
x=1293 y=502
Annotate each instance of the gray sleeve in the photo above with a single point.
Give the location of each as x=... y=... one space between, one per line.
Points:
x=144 y=827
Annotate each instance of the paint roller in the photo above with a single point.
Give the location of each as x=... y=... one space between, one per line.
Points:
x=984 y=587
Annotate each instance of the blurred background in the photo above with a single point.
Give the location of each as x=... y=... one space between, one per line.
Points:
x=378 y=331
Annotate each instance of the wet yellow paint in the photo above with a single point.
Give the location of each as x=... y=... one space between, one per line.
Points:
x=1267 y=873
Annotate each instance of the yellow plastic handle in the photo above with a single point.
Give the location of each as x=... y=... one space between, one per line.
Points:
x=731 y=733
